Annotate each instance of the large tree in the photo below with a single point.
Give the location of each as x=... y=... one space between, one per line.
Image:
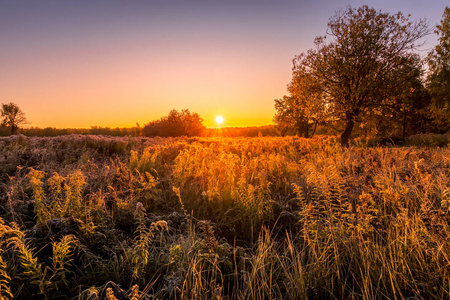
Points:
x=355 y=68
x=12 y=117
x=439 y=76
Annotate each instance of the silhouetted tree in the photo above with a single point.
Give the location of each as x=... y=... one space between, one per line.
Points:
x=354 y=69
x=175 y=124
x=439 y=76
x=12 y=117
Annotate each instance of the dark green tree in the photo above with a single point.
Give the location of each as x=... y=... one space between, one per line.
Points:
x=409 y=106
x=438 y=81
x=404 y=110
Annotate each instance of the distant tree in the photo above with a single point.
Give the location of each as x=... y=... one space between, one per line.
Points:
x=12 y=117
x=354 y=69
x=439 y=77
x=175 y=124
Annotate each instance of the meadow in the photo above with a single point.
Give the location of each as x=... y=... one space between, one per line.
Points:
x=95 y=217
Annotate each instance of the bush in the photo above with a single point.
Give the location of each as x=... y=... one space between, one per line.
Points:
x=182 y=123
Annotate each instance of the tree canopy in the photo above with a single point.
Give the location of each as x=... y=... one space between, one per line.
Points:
x=304 y=108
x=439 y=76
x=357 y=67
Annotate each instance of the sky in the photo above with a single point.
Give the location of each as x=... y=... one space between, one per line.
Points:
x=77 y=64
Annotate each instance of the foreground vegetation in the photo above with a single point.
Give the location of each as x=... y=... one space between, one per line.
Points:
x=90 y=217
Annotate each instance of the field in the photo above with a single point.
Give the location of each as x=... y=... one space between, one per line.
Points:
x=91 y=217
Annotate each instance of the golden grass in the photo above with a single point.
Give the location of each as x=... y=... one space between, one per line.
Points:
x=223 y=218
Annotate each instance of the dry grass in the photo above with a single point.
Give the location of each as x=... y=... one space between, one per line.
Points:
x=223 y=218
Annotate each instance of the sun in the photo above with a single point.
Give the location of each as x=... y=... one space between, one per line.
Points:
x=219 y=120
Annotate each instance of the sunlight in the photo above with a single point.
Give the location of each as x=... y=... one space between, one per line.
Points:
x=219 y=120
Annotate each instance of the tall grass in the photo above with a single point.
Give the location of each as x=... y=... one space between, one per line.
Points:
x=223 y=218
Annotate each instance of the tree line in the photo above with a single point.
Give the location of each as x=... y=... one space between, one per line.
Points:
x=366 y=75
x=176 y=123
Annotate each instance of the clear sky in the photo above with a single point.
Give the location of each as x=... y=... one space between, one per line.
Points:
x=114 y=63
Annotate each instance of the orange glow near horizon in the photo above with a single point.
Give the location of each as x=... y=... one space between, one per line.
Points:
x=120 y=91
x=77 y=64
x=116 y=74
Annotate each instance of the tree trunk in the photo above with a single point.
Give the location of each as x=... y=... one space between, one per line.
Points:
x=347 y=132
x=301 y=128
x=314 y=129
x=14 y=129
x=404 y=123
